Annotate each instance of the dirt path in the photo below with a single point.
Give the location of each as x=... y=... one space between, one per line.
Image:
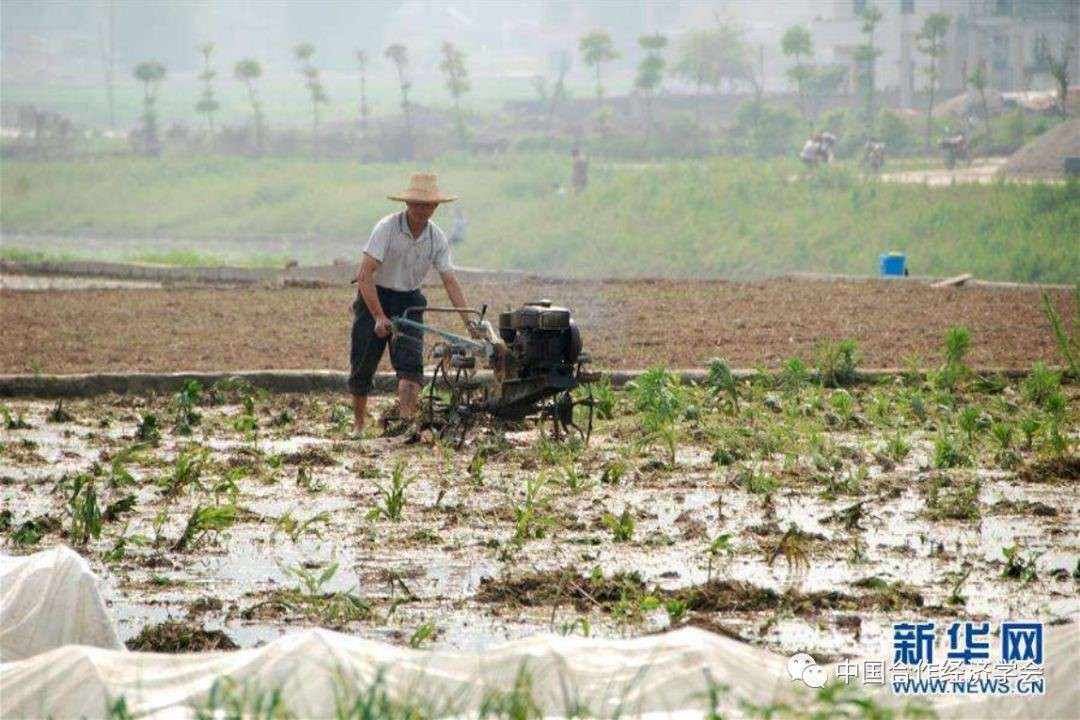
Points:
x=982 y=172
x=626 y=324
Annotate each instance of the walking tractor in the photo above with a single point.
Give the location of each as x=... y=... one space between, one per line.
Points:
x=536 y=362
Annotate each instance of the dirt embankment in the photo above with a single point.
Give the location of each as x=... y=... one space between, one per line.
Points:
x=626 y=324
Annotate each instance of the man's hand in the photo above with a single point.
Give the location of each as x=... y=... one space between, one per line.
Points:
x=383 y=326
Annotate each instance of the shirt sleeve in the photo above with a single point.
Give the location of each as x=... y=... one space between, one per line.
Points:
x=443 y=261
x=378 y=242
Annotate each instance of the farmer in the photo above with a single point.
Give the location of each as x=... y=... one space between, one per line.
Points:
x=579 y=176
x=402 y=248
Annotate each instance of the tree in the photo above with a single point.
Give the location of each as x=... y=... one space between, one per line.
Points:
x=650 y=72
x=1047 y=63
x=248 y=71
x=699 y=62
x=304 y=52
x=733 y=58
x=399 y=55
x=457 y=82
x=797 y=43
x=107 y=45
x=931 y=40
x=150 y=74
x=208 y=105
x=866 y=56
x=362 y=64
x=558 y=90
x=597 y=48
x=977 y=80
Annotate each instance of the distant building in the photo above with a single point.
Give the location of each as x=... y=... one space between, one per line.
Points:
x=1000 y=33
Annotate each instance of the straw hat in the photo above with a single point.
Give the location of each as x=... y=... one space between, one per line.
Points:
x=423 y=188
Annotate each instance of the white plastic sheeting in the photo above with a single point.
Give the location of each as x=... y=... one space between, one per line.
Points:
x=316 y=671
x=657 y=675
x=48 y=600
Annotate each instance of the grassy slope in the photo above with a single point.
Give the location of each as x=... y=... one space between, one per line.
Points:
x=714 y=217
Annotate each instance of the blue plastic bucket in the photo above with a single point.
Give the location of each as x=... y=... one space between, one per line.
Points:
x=892 y=264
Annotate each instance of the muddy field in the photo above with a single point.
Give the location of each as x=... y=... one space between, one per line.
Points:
x=791 y=515
x=626 y=324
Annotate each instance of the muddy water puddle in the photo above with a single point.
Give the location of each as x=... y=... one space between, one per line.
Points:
x=770 y=549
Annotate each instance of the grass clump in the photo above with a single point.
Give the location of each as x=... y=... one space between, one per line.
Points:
x=1069 y=346
x=621 y=526
x=178 y=637
x=836 y=362
x=947 y=500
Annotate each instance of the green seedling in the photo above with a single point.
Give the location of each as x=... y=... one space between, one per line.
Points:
x=114 y=510
x=13 y=422
x=1019 y=567
x=957 y=345
x=844 y=405
x=613 y=472
x=957 y=578
x=161 y=518
x=307 y=480
x=31 y=531
x=58 y=414
x=118 y=551
x=621 y=527
x=948 y=453
x=427 y=631
x=794 y=376
x=393 y=497
x=836 y=362
x=573 y=480
x=758 y=482
x=84 y=511
x=335 y=608
x=186 y=472
x=341 y=418
x=1030 y=426
x=1002 y=433
x=850 y=483
x=476 y=466
x=1069 y=347
x=283 y=418
x=604 y=398
x=897 y=447
x=297 y=529
x=658 y=392
x=676 y=611
x=970 y=421
x=204 y=522
x=579 y=622
x=184 y=404
x=662 y=430
x=722 y=382
x=529 y=518
x=149 y=429
x=720 y=548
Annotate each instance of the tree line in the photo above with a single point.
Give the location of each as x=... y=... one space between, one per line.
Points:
x=717 y=57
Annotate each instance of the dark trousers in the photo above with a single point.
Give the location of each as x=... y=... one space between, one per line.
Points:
x=406 y=349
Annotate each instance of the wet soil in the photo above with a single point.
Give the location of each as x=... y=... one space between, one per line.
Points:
x=813 y=540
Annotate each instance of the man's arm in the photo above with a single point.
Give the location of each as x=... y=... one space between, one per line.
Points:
x=454 y=292
x=365 y=278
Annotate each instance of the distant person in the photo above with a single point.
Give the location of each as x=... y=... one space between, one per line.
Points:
x=580 y=175
x=402 y=248
x=461 y=227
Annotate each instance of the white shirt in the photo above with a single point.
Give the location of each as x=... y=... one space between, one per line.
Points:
x=404 y=260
